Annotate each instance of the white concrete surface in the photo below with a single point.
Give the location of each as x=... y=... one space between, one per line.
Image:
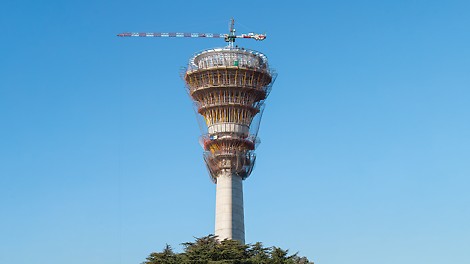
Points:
x=228 y=127
x=229 y=215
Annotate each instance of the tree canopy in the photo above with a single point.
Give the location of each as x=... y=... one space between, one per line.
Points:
x=208 y=250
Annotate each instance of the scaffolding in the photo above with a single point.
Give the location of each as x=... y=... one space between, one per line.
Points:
x=229 y=87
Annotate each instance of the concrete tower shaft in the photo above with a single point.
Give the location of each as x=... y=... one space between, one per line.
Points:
x=229 y=86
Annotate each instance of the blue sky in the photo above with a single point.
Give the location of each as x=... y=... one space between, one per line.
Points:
x=365 y=153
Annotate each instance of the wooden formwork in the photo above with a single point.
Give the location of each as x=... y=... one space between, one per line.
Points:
x=229 y=87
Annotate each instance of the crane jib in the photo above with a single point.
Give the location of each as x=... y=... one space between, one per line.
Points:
x=172 y=35
x=227 y=37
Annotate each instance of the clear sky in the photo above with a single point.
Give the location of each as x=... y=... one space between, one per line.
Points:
x=365 y=153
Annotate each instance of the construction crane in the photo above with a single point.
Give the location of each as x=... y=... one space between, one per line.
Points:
x=230 y=37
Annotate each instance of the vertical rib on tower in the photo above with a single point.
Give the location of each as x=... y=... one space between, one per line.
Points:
x=229 y=86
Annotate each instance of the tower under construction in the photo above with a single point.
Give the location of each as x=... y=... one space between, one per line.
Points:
x=229 y=87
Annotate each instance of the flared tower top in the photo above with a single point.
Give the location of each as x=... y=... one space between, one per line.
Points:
x=228 y=57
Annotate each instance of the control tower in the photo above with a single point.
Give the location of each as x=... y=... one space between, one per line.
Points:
x=229 y=87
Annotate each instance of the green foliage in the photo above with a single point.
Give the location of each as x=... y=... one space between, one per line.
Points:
x=167 y=256
x=208 y=250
